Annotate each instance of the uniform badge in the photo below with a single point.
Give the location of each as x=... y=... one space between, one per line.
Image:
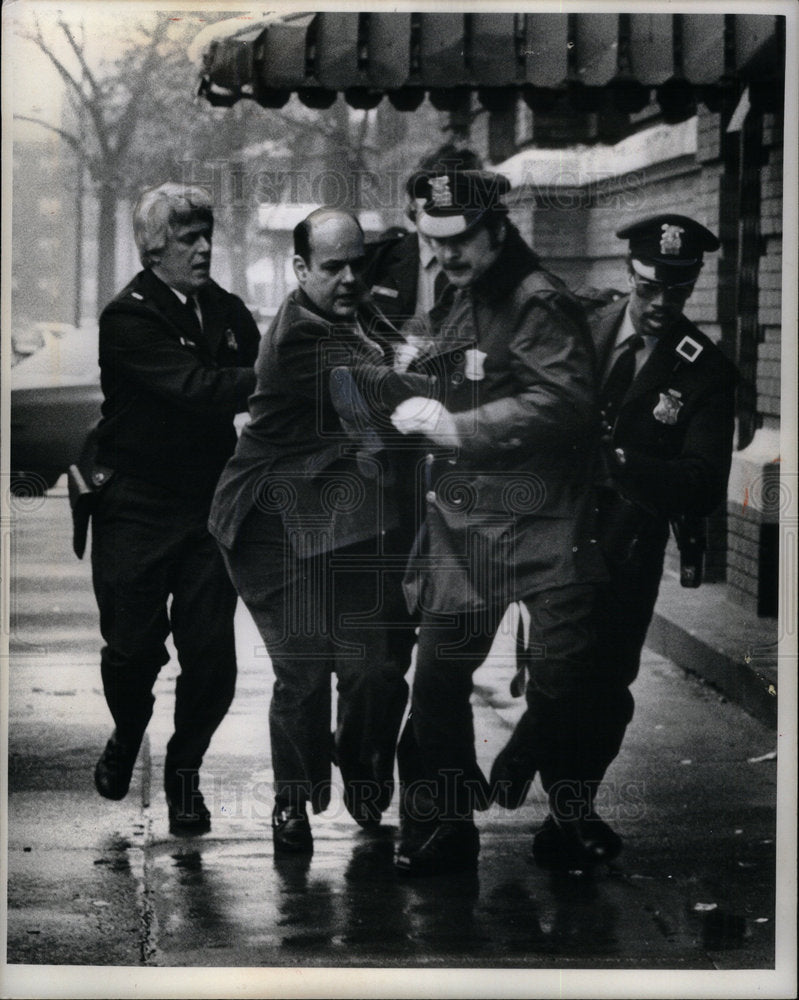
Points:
x=230 y=337
x=668 y=408
x=671 y=240
x=474 y=362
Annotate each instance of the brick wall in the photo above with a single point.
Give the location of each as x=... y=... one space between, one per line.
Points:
x=753 y=497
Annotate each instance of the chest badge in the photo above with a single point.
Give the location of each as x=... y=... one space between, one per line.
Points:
x=230 y=338
x=474 y=364
x=668 y=408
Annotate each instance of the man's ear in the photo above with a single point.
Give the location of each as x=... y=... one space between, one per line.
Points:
x=630 y=279
x=300 y=268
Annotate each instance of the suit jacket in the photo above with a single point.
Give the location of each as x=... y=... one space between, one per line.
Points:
x=510 y=512
x=169 y=404
x=293 y=459
x=675 y=424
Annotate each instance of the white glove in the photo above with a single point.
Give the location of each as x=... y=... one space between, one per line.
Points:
x=419 y=415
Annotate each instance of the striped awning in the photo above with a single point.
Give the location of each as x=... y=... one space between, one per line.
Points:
x=402 y=56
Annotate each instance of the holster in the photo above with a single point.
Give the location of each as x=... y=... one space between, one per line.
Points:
x=85 y=479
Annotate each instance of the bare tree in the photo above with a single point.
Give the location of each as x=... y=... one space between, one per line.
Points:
x=111 y=106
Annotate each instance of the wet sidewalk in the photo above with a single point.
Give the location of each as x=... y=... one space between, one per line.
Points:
x=96 y=883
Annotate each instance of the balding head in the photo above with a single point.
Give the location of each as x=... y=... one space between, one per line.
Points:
x=328 y=259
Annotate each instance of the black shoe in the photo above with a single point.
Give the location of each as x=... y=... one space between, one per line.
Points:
x=291 y=831
x=512 y=773
x=191 y=820
x=575 y=845
x=418 y=816
x=114 y=769
x=451 y=847
x=188 y=813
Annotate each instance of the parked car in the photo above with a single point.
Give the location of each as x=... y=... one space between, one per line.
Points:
x=55 y=401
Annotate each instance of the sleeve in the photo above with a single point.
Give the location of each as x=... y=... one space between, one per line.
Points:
x=134 y=342
x=553 y=403
x=248 y=336
x=694 y=482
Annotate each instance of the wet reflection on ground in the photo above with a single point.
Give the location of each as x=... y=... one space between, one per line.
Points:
x=346 y=905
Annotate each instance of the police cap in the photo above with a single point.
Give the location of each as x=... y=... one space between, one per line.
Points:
x=668 y=247
x=456 y=200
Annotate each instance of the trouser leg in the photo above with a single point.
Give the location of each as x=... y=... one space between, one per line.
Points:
x=132 y=548
x=441 y=713
x=563 y=721
x=371 y=657
x=202 y=612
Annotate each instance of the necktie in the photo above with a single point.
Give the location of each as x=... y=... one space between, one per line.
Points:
x=620 y=378
x=192 y=314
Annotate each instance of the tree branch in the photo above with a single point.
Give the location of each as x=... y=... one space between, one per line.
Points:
x=70 y=139
x=100 y=126
x=87 y=73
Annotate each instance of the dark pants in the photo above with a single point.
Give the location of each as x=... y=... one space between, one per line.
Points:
x=150 y=545
x=437 y=758
x=336 y=613
x=624 y=608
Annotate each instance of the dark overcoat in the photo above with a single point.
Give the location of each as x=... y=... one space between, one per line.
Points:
x=510 y=511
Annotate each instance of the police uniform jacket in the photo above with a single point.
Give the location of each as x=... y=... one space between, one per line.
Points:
x=675 y=423
x=171 y=391
x=391 y=276
x=293 y=461
x=510 y=512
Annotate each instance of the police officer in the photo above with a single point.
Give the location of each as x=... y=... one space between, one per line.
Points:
x=402 y=274
x=176 y=356
x=510 y=423
x=667 y=398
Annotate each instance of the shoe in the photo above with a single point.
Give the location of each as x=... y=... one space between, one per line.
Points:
x=451 y=847
x=189 y=821
x=418 y=816
x=291 y=831
x=575 y=845
x=114 y=769
x=188 y=813
x=512 y=773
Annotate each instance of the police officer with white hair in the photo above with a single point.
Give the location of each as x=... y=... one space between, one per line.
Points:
x=176 y=357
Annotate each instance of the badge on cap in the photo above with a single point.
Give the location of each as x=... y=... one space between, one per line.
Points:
x=689 y=349
x=671 y=240
x=440 y=192
x=668 y=408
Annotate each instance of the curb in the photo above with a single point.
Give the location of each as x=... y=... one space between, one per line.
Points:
x=720 y=642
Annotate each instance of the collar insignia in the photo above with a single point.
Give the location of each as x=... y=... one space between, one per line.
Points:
x=671 y=240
